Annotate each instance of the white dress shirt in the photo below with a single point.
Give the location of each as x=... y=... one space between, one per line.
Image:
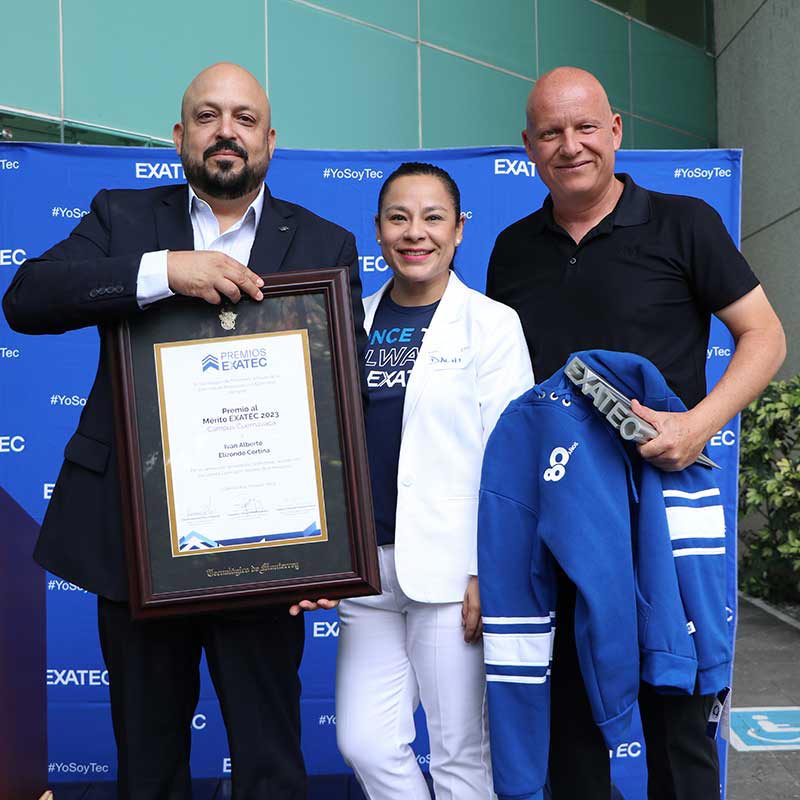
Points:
x=237 y=242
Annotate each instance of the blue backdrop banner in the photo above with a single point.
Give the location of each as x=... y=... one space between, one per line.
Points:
x=45 y=189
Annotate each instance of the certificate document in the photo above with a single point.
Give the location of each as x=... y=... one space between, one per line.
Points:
x=244 y=476
x=241 y=453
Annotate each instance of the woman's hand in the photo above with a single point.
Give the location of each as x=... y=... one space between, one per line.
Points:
x=471 y=612
x=312 y=605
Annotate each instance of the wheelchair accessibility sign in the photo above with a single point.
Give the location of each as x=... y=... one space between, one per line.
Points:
x=766 y=728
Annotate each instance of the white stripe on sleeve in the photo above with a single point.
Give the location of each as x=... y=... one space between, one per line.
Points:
x=691 y=495
x=516 y=679
x=686 y=522
x=517 y=650
x=699 y=551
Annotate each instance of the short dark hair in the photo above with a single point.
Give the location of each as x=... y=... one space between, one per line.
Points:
x=420 y=168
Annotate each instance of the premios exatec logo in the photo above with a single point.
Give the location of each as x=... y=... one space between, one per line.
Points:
x=231 y=360
x=8 y=164
x=9 y=352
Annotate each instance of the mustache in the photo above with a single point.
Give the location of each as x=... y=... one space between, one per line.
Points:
x=226 y=144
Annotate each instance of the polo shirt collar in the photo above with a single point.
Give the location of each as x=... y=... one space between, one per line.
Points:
x=633 y=208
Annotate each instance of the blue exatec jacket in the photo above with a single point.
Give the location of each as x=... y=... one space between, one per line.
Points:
x=644 y=548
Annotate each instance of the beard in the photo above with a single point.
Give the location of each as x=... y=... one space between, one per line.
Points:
x=221 y=180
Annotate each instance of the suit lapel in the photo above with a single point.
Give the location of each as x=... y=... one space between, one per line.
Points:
x=276 y=229
x=438 y=337
x=173 y=225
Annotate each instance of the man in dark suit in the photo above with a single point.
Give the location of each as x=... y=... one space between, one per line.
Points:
x=138 y=247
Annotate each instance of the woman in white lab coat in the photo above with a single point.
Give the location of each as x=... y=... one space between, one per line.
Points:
x=442 y=363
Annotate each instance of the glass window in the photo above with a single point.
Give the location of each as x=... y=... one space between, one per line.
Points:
x=86 y=134
x=20 y=128
x=691 y=20
x=16 y=128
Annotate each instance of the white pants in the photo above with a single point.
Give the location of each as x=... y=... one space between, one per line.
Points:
x=394 y=652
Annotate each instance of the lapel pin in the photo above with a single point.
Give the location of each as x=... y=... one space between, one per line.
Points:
x=283 y=228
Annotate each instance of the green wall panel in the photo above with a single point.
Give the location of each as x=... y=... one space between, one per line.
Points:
x=465 y=104
x=338 y=84
x=673 y=82
x=398 y=15
x=502 y=33
x=578 y=33
x=650 y=136
x=29 y=63
x=126 y=65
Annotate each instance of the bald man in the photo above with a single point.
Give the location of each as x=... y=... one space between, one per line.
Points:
x=608 y=264
x=208 y=239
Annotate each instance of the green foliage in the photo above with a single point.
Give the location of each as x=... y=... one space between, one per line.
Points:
x=769 y=492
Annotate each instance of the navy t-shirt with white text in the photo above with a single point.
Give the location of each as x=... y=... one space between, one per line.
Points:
x=394 y=342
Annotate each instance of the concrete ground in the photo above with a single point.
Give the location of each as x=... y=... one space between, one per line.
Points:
x=766 y=673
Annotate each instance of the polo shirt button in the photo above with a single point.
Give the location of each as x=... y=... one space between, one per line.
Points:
x=407 y=481
x=573 y=260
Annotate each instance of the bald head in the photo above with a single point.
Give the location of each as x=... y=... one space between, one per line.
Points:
x=225 y=137
x=565 y=85
x=572 y=136
x=229 y=80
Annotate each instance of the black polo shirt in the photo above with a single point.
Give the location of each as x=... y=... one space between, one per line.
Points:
x=645 y=280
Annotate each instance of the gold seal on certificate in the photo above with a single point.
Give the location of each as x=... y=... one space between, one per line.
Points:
x=241 y=453
x=241 y=450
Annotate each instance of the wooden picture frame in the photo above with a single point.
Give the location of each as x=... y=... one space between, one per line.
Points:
x=235 y=426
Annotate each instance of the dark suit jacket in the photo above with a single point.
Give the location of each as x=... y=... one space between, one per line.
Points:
x=90 y=279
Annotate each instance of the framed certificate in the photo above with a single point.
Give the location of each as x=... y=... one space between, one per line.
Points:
x=241 y=446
